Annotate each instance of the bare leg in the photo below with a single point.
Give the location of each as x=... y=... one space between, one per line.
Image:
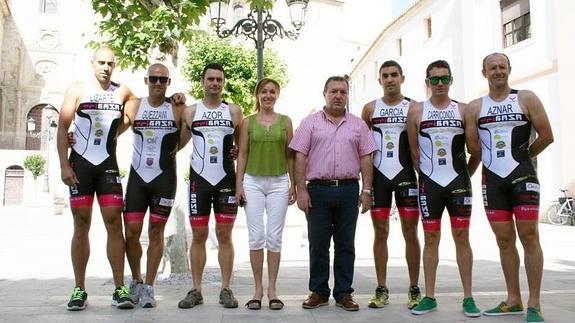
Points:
x=257 y=262
x=115 y=245
x=430 y=261
x=529 y=236
x=380 y=253
x=506 y=237
x=155 y=250
x=80 y=246
x=225 y=252
x=464 y=257
x=134 y=248
x=273 y=270
x=198 y=255
x=412 y=248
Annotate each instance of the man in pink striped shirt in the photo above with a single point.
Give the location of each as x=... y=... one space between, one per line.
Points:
x=332 y=148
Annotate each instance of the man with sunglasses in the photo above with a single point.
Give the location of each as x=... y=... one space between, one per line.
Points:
x=96 y=107
x=503 y=122
x=155 y=123
x=211 y=123
x=437 y=135
x=393 y=173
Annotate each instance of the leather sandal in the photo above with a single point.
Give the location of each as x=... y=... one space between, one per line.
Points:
x=254 y=304
x=276 y=304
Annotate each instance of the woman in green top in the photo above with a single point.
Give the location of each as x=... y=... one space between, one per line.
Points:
x=263 y=183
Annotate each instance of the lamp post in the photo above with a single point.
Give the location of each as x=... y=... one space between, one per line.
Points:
x=47 y=134
x=258 y=25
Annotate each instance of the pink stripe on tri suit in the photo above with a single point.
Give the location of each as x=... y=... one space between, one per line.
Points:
x=333 y=151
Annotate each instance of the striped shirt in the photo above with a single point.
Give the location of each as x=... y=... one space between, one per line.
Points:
x=333 y=150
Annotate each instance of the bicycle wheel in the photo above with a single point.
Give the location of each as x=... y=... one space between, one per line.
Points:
x=554 y=216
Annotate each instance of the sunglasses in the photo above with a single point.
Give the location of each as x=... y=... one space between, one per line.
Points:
x=155 y=79
x=434 y=80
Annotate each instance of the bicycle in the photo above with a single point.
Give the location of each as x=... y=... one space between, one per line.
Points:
x=562 y=211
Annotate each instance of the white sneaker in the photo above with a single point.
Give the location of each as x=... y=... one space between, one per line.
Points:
x=135 y=291
x=147 y=299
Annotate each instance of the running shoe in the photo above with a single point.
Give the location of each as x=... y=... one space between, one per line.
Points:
x=380 y=299
x=193 y=298
x=135 y=291
x=413 y=297
x=148 y=300
x=121 y=298
x=79 y=300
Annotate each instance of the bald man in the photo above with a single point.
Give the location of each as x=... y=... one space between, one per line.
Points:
x=96 y=107
x=156 y=125
x=506 y=121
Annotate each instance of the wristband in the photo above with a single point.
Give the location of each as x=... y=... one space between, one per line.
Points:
x=366 y=190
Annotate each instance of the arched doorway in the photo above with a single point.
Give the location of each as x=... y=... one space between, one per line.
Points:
x=13 y=185
x=38 y=122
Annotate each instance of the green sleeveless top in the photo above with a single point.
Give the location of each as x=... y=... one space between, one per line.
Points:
x=267 y=148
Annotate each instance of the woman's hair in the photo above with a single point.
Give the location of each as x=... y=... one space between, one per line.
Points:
x=263 y=82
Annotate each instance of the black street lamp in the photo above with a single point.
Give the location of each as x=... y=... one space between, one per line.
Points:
x=258 y=25
x=48 y=134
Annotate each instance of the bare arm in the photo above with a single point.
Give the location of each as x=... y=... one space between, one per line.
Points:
x=303 y=199
x=237 y=116
x=413 y=119
x=536 y=113
x=71 y=100
x=290 y=156
x=367 y=113
x=242 y=159
x=130 y=111
x=471 y=113
x=366 y=169
x=186 y=126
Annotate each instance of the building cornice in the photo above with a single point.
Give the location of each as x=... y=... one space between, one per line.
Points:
x=408 y=13
x=5 y=8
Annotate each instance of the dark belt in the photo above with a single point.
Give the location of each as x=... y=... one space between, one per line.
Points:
x=332 y=182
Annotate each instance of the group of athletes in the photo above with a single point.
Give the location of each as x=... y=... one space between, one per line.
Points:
x=504 y=130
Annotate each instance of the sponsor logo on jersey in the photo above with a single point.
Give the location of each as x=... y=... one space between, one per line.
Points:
x=500 y=153
x=468 y=200
x=213 y=150
x=441 y=152
x=451 y=123
x=389 y=145
x=412 y=192
x=533 y=187
x=149 y=161
x=99 y=133
x=97 y=141
x=442 y=161
x=213 y=159
x=193 y=203
x=389 y=154
x=500 y=145
x=166 y=202
x=423 y=206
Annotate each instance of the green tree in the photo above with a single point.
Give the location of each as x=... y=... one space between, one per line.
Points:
x=239 y=63
x=35 y=164
x=132 y=28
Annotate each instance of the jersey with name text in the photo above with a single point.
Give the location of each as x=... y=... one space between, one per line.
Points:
x=96 y=123
x=156 y=139
x=212 y=136
x=389 y=129
x=442 y=143
x=504 y=131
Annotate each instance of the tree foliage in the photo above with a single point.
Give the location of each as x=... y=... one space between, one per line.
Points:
x=132 y=28
x=35 y=164
x=239 y=63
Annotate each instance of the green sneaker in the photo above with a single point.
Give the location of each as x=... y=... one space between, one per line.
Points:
x=469 y=308
x=426 y=305
x=380 y=299
x=504 y=309
x=533 y=315
x=78 y=301
x=413 y=297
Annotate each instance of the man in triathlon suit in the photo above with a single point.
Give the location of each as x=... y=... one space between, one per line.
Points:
x=504 y=121
x=393 y=173
x=96 y=107
x=436 y=130
x=152 y=182
x=211 y=124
